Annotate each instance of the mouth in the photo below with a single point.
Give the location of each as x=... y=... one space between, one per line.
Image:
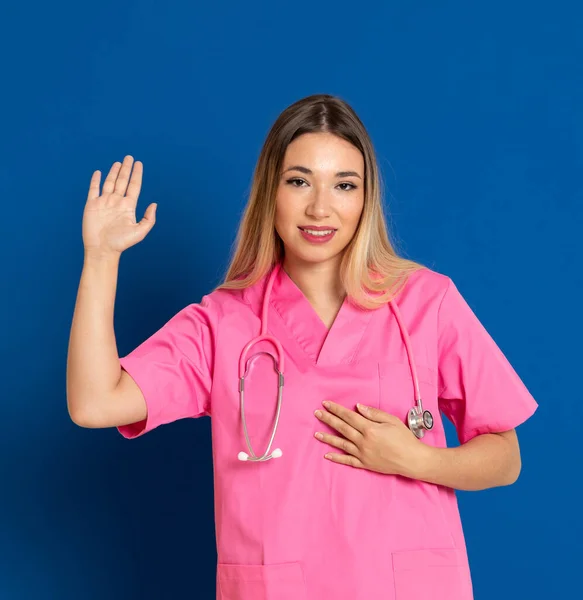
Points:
x=317 y=235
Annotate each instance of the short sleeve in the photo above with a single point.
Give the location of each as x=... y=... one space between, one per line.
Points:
x=173 y=368
x=479 y=390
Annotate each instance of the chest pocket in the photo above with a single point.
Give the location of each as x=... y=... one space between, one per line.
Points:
x=397 y=390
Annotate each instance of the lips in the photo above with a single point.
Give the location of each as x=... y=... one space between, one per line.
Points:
x=317 y=238
x=316 y=228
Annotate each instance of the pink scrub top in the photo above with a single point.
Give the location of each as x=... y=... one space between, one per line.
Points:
x=300 y=527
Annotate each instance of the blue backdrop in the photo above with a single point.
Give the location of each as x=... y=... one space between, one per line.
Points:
x=476 y=116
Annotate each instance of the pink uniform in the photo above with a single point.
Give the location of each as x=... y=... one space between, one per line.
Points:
x=300 y=527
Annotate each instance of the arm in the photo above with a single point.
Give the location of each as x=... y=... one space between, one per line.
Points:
x=381 y=442
x=99 y=393
x=481 y=394
x=485 y=461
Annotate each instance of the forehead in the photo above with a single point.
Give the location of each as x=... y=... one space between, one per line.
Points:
x=322 y=151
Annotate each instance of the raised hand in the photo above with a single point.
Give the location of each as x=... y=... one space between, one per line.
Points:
x=109 y=220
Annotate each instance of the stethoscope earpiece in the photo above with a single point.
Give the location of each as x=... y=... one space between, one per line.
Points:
x=277 y=453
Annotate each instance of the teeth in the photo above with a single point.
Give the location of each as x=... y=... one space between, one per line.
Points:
x=321 y=233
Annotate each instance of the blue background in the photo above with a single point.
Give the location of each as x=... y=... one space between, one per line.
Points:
x=475 y=112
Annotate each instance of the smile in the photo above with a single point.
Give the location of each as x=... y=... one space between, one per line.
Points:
x=317 y=236
x=318 y=232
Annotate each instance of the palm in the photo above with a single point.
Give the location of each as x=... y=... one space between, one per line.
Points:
x=108 y=226
x=109 y=219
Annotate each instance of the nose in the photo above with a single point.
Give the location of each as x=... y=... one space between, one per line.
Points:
x=320 y=202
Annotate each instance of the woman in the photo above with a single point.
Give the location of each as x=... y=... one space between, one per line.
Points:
x=352 y=499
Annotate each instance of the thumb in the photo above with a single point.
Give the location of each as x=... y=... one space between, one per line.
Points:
x=148 y=220
x=374 y=414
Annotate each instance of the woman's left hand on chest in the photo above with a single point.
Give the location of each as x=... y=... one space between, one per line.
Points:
x=371 y=439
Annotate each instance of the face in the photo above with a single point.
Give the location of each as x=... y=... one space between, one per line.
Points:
x=320 y=197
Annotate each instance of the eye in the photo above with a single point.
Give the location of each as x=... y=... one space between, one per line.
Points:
x=351 y=186
x=294 y=179
x=297 y=182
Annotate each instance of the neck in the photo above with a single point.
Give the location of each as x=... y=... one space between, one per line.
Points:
x=319 y=282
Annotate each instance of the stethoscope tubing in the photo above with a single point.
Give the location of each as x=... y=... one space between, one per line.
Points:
x=418 y=420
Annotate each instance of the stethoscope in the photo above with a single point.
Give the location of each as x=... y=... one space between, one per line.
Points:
x=418 y=420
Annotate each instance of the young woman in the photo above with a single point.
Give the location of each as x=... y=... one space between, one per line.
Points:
x=332 y=475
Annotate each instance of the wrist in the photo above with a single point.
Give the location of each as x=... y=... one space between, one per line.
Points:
x=100 y=257
x=420 y=463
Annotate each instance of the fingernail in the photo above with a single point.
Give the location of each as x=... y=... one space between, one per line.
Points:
x=362 y=407
x=318 y=413
x=319 y=435
x=326 y=403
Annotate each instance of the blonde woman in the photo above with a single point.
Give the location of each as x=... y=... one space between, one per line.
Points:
x=325 y=362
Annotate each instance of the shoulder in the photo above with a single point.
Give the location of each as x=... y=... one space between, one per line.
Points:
x=427 y=285
x=214 y=305
x=225 y=304
x=221 y=304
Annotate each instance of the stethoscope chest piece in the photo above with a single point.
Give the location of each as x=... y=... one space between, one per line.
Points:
x=420 y=421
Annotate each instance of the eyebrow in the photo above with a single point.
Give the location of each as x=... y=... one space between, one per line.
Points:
x=309 y=171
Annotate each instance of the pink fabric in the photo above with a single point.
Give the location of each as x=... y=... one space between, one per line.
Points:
x=301 y=527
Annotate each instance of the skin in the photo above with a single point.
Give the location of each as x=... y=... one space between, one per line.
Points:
x=321 y=199
x=368 y=438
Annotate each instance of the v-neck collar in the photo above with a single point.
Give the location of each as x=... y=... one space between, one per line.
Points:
x=291 y=315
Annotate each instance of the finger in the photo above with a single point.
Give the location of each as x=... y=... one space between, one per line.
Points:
x=374 y=414
x=341 y=426
x=344 y=459
x=135 y=184
x=94 y=186
x=121 y=182
x=352 y=418
x=109 y=183
x=338 y=442
x=147 y=222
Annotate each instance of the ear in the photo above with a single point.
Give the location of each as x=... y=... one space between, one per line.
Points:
x=375 y=414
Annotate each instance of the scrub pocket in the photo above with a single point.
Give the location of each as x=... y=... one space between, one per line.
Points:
x=261 y=582
x=432 y=574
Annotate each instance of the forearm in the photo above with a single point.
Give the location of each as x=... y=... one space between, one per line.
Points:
x=485 y=461
x=93 y=367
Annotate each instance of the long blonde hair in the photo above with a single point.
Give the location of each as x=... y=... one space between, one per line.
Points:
x=370 y=270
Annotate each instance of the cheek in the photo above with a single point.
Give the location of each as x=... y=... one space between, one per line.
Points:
x=280 y=211
x=284 y=211
x=351 y=213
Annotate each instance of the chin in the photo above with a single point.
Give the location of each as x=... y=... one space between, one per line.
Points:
x=299 y=250
x=312 y=255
